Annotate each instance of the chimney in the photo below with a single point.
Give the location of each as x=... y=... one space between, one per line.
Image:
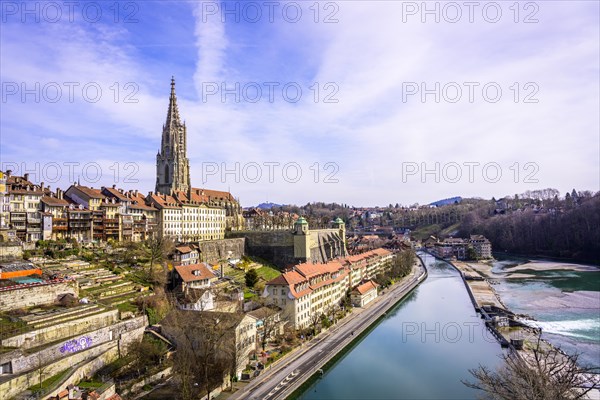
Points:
x=8 y=173
x=114 y=186
x=42 y=185
x=149 y=193
x=26 y=176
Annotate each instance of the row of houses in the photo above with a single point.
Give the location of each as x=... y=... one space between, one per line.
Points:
x=32 y=212
x=293 y=298
x=308 y=290
x=476 y=246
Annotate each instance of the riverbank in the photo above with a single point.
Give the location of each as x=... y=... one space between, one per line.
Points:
x=509 y=329
x=288 y=377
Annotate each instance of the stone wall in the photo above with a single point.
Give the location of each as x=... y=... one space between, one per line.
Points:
x=21 y=382
x=126 y=331
x=10 y=250
x=53 y=333
x=31 y=295
x=326 y=244
x=85 y=361
x=87 y=370
x=274 y=246
x=278 y=246
x=213 y=251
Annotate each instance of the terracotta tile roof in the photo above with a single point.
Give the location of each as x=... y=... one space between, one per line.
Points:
x=55 y=201
x=164 y=201
x=113 y=192
x=213 y=194
x=184 y=249
x=89 y=192
x=188 y=272
x=366 y=287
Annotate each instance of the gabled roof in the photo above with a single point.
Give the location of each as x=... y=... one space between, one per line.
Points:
x=114 y=192
x=194 y=272
x=89 y=192
x=164 y=201
x=366 y=287
x=184 y=249
x=55 y=201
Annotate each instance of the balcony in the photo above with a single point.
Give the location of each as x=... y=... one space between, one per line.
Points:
x=32 y=220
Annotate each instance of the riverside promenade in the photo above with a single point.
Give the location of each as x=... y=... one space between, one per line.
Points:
x=290 y=373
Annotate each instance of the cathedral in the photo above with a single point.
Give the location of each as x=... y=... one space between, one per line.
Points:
x=173 y=173
x=172 y=164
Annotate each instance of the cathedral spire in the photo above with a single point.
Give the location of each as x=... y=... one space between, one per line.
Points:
x=173 y=112
x=172 y=164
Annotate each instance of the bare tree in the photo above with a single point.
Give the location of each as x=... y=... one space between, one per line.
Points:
x=270 y=323
x=206 y=349
x=549 y=374
x=158 y=248
x=315 y=319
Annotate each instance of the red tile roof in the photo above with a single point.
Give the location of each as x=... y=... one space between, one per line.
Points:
x=89 y=192
x=55 y=201
x=366 y=287
x=113 y=192
x=188 y=272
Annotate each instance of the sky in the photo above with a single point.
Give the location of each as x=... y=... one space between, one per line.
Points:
x=357 y=102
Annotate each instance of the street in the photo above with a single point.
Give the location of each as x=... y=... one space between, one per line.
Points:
x=290 y=374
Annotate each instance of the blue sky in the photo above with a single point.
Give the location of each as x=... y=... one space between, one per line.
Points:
x=374 y=58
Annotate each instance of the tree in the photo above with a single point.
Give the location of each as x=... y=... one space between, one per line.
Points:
x=550 y=374
x=201 y=360
x=251 y=278
x=314 y=319
x=158 y=248
x=146 y=353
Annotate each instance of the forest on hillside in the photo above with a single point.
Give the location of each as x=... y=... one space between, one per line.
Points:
x=534 y=223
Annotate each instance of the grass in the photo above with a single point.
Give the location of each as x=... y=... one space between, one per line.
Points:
x=49 y=382
x=91 y=384
x=267 y=273
x=127 y=306
x=10 y=327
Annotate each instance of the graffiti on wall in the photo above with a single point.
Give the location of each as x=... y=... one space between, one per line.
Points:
x=75 y=345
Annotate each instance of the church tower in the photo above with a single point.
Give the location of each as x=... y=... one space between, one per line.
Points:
x=172 y=164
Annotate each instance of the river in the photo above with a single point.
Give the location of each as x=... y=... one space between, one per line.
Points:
x=565 y=303
x=420 y=350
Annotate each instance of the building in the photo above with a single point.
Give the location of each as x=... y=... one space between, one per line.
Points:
x=172 y=164
x=24 y=206
x=308 y=290
x=186 y=255
x=236 y=334
x=364 y=294
x=481 y=245
x=57 y=207
x=195 y=276
x=269 y=323
x=173 y=179
x=4 y=203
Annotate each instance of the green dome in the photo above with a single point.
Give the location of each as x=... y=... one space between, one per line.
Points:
x=338 y=220
x=301 y=221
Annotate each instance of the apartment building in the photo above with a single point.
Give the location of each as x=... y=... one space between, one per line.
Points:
x=309 y=290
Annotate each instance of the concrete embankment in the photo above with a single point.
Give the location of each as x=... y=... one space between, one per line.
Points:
x=360 y=328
